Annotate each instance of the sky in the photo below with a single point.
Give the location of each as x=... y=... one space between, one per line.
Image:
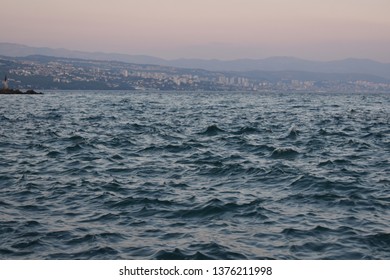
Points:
x=210 y=29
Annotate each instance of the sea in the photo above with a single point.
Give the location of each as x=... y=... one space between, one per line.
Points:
x=142 y=175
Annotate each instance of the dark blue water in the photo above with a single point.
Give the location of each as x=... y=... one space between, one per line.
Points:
x=125 y=175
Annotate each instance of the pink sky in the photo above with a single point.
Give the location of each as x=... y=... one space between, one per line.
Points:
x=224 y=29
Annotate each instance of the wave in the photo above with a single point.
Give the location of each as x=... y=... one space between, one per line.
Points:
x=212 y=130
x=177 y=254
x=196 y=176
x=284 y=153
x=246 y=130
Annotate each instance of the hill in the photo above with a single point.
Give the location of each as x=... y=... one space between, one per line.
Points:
x=346 y=66
x=46 y=72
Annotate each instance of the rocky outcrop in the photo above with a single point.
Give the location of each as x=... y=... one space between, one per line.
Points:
x=16 y=91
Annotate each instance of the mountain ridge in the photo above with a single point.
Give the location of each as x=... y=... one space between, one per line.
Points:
x=44 y=72
x=278 y=63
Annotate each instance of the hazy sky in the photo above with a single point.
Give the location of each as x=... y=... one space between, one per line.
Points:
x=224 y=29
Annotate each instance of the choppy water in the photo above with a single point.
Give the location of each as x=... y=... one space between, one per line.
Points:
x=116 y=175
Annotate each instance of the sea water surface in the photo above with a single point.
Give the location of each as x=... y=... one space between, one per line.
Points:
x=200 y=175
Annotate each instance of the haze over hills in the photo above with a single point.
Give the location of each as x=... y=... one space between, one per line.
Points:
x=346 y=66
x=18 y=50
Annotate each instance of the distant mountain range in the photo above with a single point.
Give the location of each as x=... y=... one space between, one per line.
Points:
x=53 y=73
x=346 y=66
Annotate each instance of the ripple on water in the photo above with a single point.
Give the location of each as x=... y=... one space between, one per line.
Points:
x=126 y=175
